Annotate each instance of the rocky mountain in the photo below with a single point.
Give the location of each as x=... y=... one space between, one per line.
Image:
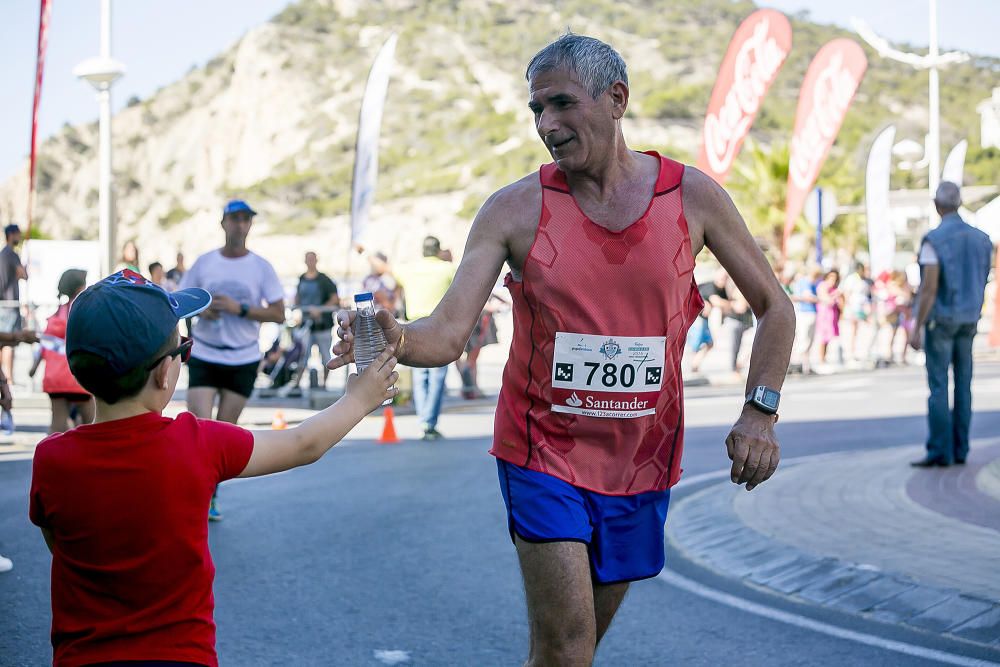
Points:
x=273 y=119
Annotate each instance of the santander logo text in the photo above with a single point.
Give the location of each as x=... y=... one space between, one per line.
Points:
x=758 y=60
x=832 y=94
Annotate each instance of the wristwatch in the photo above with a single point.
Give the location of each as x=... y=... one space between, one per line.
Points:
x=764 y=399
x=244 y=309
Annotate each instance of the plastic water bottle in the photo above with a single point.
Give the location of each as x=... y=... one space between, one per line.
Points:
x=7 y=422
x=369 y=339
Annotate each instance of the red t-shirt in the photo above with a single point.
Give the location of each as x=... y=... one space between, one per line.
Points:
x=127 y=504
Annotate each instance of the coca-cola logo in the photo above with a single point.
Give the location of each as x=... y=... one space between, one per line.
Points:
x=757 y=62
x=831 y=95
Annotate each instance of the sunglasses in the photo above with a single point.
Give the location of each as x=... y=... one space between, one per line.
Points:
x=184 y=350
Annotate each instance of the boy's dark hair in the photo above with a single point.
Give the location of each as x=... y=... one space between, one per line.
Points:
x=95 y=375
x=154 y=266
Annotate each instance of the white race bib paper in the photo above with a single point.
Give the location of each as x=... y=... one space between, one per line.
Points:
x=607 y=376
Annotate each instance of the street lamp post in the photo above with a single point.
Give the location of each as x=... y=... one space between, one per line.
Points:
x=101 y=72
x=931 y=62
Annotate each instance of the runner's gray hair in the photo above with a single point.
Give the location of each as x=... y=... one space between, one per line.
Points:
x=594 y=62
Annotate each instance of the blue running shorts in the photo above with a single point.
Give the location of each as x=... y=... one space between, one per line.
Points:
x=623 y=534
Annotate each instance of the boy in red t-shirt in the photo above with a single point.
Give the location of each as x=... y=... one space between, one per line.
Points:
x=121 y=502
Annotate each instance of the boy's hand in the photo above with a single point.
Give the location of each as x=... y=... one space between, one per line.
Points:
x=376 y=384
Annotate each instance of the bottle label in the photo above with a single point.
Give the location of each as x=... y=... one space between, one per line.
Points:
x=607 y=376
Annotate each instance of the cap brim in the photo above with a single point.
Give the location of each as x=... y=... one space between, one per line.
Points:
x=189 y=302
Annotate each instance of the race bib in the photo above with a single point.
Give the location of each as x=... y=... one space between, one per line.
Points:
x=607 y=376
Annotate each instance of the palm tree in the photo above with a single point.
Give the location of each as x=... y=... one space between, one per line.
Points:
x=759 y=190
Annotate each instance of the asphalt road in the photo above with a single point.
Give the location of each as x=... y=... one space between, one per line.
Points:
x=400 y=553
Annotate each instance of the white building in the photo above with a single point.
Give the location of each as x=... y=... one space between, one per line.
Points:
x=989 y=112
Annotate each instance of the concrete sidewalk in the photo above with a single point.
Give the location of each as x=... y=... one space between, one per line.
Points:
x=863 y=533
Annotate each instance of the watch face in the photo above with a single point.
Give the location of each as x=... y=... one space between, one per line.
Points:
x=770 y=398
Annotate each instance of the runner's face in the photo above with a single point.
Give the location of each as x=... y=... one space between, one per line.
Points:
x=237 y=227
x=576 y=129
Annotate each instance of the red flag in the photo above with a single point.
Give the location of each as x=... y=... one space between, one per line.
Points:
x=831 y=81
x=756 y=53
x=43 y=39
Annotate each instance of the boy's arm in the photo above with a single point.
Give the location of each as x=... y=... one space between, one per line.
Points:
x=47 y=534
x=275 y=451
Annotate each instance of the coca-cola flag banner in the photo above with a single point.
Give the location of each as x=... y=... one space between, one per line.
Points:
x=756 y=53
x=827 y=91
x=43 y=39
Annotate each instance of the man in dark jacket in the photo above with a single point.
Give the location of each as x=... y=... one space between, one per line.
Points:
x=954 y=262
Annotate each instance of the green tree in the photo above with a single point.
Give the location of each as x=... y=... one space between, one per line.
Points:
x=759 y=188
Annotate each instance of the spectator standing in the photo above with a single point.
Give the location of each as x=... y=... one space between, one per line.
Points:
x=828 y=309
x=175 y=274
x=317 y=296
x=955 y=263
x=7 y=401
x=159 y=276
x=483 y=334
x=736 y=321
x=245 y=292
x=422 y=284
x=130 y=257
x=381 y=283
x=857 y=290
x=11 y=272
x=804 y=298
x=72 y=405
x=699 y=338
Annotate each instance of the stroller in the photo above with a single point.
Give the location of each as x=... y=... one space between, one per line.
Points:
x=285 y=363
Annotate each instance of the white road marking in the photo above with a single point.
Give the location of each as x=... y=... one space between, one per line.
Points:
x=818 y=626
x=392 y=657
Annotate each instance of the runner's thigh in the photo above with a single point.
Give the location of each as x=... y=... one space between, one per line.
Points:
x=558 y=590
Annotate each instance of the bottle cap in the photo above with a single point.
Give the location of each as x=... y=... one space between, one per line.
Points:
x=363 y=296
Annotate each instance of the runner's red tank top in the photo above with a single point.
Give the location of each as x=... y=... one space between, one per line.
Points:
x=592 y=391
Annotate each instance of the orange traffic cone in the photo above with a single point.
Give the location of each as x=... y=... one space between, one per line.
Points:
x=279 y=423
x=389 y=436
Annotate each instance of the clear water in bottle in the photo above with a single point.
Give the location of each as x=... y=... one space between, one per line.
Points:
x=369 y=339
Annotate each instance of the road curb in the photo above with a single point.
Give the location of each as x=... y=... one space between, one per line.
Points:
x=705 y=528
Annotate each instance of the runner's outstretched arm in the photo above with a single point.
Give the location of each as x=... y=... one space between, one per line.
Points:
x=439 y=339
x=717 y=224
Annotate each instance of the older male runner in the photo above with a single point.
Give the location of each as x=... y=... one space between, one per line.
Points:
x=589 y=424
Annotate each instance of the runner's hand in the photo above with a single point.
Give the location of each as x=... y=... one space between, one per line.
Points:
x=376 y=384
x=917 y=338
x=224 y=304
x=343 y=350
x=753 y=448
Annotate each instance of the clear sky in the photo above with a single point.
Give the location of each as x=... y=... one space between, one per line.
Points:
x=159 y=40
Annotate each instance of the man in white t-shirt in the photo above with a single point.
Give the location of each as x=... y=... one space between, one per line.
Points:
x=226 y=354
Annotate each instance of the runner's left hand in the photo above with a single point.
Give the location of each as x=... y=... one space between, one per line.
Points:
x=224 y=304
x=753 y=448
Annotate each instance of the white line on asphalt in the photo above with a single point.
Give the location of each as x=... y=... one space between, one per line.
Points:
x=818 y=626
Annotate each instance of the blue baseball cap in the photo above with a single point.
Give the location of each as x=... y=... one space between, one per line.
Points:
x=238 y=206
x=126 y=318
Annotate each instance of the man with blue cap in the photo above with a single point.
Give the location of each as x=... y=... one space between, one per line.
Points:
x=245 y=292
